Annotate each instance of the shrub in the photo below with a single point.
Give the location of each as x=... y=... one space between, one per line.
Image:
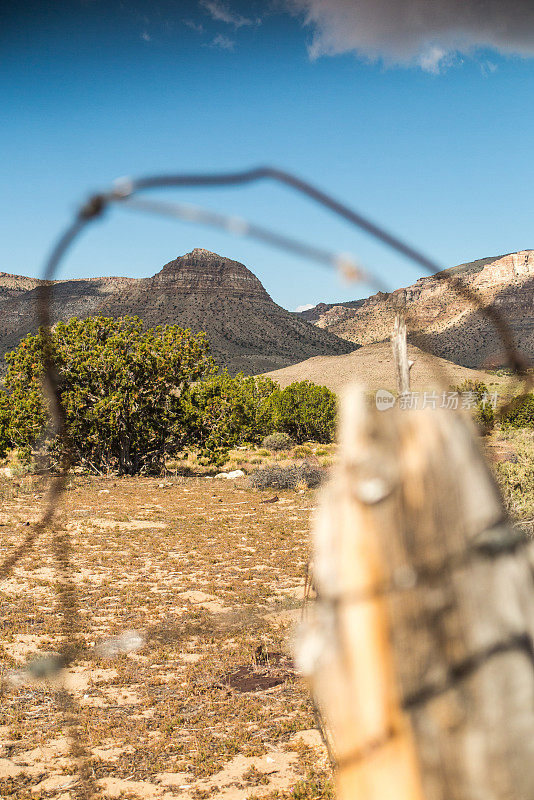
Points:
x=312 y=475
x=123 y=390
x=305 y=411
x=484 y=418
x=482 y=409
x=274 y=477
x=516 y=475
x=521 y=415
x=225 y=411
x=4 y=424
x=478 y=388
x=277 y=441
x=302 y=451
x=317 y=785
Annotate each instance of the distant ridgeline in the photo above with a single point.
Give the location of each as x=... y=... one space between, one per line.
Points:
x=445 y=322
x=246 y=329
x=248 y=332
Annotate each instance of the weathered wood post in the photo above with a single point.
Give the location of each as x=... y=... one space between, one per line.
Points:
x=419 y=648
x=400 y=355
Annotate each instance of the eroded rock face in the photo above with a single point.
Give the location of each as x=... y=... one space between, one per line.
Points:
x=444 y=321
x=203 y=271
x=200 y=290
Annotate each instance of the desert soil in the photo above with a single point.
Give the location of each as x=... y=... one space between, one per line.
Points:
x=372 y=366
x=200 y=581
x=210 y=578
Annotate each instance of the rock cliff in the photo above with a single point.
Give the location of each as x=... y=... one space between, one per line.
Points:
x=443 y=321
x=200 y=290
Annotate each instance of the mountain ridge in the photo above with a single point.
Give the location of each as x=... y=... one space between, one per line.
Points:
x=443 y=322
x=200 y=290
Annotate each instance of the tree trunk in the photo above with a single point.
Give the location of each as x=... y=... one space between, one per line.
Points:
x=125 y=459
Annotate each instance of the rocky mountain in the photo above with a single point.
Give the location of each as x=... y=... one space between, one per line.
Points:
x=441 y=320
x=247 y=330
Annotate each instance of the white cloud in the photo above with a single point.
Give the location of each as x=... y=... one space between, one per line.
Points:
x=195 y=26
x=305 y=307
x=222 y=13
x=223 y=42
x=428 y=33
x=488 y=68
x=146 y=37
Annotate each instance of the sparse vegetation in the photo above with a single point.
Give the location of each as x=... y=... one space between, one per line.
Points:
x=277 y=441
x=154 y=557
x=515 y=475
x=317 y=785
x=295 y=476
x=521 y=415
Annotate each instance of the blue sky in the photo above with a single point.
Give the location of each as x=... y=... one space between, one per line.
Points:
x=97 y=90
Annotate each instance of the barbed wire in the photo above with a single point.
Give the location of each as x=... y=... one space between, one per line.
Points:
x=123 y=195
x=343 y=263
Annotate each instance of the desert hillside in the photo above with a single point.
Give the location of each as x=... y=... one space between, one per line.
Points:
x=441 y=320
x=372 y=366
x=204 y=291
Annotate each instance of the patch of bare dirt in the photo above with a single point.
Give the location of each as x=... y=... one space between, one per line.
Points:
x=204 y=578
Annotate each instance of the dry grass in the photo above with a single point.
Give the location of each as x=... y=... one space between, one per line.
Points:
x=213 y=577
x=251 y=458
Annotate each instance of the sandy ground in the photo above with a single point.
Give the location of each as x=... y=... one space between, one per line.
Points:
x=189 y=590
x=372 y=366
x=205 y=703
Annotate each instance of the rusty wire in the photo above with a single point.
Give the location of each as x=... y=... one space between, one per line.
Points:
x=123 y=194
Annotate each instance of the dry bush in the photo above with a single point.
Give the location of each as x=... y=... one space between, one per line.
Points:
x=516 y=475
x=275 y=477
x=277 y=441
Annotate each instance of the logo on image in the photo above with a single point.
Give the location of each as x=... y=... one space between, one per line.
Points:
x=384 y=400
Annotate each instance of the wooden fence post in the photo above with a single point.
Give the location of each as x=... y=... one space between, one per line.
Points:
x=400 y=355
x=419 y=647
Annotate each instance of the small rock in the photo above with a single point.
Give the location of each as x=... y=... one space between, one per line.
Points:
x=126 y=642
x=236 y=473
